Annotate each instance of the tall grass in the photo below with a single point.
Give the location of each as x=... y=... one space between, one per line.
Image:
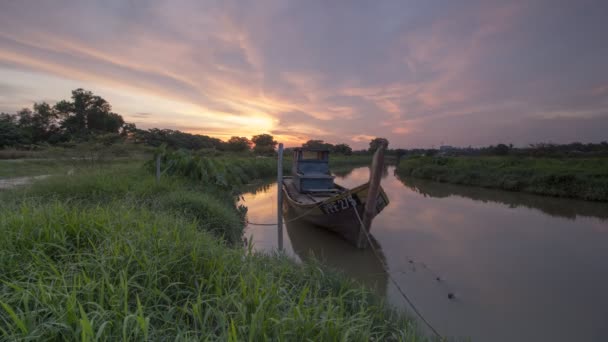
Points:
x=110 y=255
x=130 y=184
x=125 y=273
x=226 y=172
x=233 y=171
x=577 y=178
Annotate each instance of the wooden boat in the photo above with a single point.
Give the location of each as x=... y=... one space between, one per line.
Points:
x=314 y=198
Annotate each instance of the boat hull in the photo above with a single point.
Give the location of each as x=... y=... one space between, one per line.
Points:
x=335 y=213
x=365 y=266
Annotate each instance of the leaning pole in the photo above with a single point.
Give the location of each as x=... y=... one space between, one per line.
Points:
x=280 y=197
x=372 y=195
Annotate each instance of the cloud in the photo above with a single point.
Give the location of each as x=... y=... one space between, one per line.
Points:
x=416 y=73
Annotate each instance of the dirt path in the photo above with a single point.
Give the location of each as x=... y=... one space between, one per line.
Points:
x=9 y=183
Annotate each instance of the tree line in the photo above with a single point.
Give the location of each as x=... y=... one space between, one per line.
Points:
x=87 y=117
x=84 y=116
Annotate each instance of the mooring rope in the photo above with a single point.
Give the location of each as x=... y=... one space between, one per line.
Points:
x=407 y=299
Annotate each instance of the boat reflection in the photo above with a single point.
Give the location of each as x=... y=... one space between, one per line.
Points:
x=558 y=207
x=362 y=265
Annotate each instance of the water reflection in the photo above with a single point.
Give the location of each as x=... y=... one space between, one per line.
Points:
x=361 y=265
x=524 y=267
x=343 y=171
x=558 y=207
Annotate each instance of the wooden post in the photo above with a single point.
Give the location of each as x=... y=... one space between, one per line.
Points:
x=280 y=198
x=369 y=211
x=158 y=168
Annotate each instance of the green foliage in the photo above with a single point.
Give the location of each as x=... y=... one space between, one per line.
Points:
x=10 y=134
x=119 y=273
x=226 y=172
x=320 y=144
x=39 y=125
x=317 y=144
x=130 y=183
x=211 y=214
x=501 y=150
x=176 y=139
x=264 y=150
x=232 y=172
x=107 y=254
x=88 y=113
x=238 y=144
x=343 y=149
x=375 y=143
x=577 y=178
x=264 y=144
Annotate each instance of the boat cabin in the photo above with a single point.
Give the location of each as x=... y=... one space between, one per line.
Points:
x=310 y=170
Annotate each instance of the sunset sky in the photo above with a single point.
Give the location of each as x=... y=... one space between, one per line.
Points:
x=420 y=73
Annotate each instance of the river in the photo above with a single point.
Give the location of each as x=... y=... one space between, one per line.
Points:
x=521 y=267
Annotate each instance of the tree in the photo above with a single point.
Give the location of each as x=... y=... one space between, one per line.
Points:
x=175 y=139
x=128 y=129
x=375 y=143
x=344 y=149
x=317 y=144
x=501 y=150
x=10 y=134
x=38 y=125
x=238 y=144
x=264 y=144
x=87 y=114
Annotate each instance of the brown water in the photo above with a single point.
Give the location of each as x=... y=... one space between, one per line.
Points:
x=522 y=267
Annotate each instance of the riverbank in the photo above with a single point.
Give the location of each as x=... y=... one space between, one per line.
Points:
x=112 y=255
x=566 y=177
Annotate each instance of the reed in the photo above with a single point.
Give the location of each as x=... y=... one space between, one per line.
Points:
x=109 y=255
x=234 y=171
x=584 y=178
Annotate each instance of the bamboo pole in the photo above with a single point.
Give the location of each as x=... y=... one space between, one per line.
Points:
x=369 y=211
x=280 y=197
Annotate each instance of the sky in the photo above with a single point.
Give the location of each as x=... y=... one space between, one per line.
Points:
x=420 y=73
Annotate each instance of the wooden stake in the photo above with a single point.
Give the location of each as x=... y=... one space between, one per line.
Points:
x=369 y=210
x=158 y=168
x=280 y=197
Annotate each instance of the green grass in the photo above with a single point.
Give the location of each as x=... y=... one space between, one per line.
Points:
x=234 y=171
x=110 y=273
x=575 y=178
x=23 y=168
x=130 y=183
x=34 y=167
x=84 y=150
x=107 y=254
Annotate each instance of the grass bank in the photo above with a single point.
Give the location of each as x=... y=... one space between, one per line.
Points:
x=234 y=171
x=575 y=178
x=108 y=254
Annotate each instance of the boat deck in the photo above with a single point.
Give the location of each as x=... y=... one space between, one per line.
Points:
x=309 y=198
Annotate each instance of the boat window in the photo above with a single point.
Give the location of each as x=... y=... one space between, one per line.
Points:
x=314 y=155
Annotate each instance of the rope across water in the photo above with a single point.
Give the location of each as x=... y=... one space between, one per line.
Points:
x=375 y=252
x=407 y=299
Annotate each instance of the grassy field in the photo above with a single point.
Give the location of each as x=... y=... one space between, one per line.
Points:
x=107 y=254
x=575 y=178
x=56 y=160
x=85 y=150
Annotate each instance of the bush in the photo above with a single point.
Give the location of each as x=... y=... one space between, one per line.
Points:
x=578 y=178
